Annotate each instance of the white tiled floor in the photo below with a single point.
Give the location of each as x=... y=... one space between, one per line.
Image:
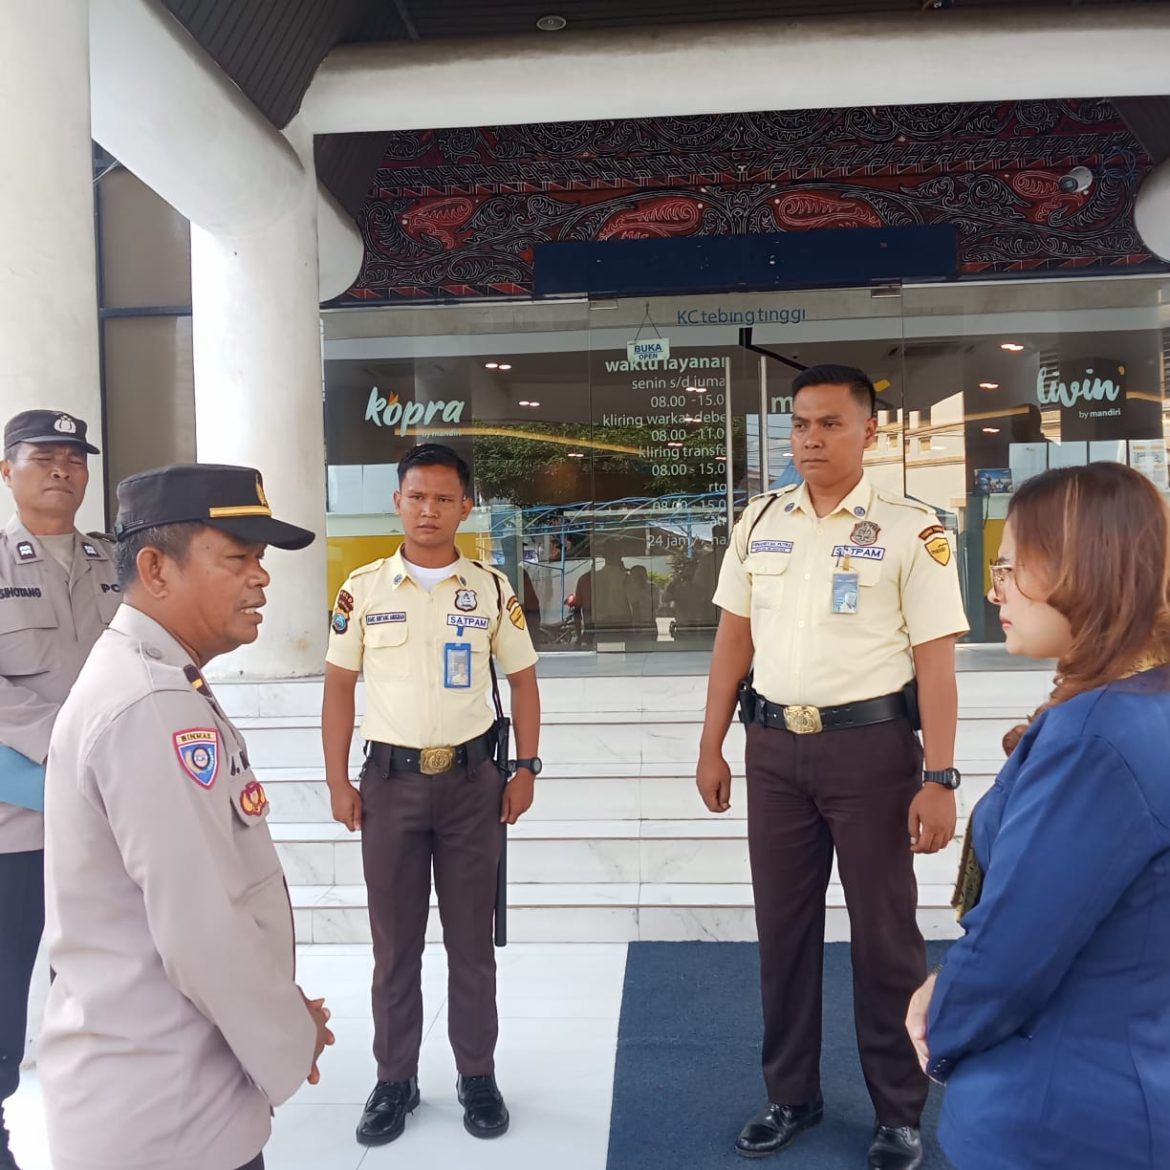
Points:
x=559 y=1006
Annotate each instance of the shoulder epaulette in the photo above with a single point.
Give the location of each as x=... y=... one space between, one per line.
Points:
x=361 y=570
x=493 y=570
x=106 y=537
x=907 y=502
x=197 y=681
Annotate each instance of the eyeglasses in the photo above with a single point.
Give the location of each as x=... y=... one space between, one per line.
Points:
x=1001 y=573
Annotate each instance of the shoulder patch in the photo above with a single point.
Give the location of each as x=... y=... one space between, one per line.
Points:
x=198 y=752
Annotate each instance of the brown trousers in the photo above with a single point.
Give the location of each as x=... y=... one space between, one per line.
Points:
x=410 y=821
x=847 y=790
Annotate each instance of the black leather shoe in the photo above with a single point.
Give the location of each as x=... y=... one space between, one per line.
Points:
x=384 y=1118
x=895 y=1148
x=776 y=1127
x=484 y=1113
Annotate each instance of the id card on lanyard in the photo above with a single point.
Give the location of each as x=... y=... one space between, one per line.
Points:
x=846 y=593
x=457 y=663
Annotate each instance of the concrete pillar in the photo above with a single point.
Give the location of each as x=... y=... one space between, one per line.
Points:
x=258 y=401
x=48 y=288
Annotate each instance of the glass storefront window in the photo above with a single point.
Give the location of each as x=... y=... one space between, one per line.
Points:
x=605 y=487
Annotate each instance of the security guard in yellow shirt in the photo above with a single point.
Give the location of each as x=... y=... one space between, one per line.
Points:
x=845 y=596
x=423 y=626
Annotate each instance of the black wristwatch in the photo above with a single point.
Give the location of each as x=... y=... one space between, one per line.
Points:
x=948 y=777
x=533 y=763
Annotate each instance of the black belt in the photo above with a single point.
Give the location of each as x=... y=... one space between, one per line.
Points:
x=805 y=720
x=432 y=761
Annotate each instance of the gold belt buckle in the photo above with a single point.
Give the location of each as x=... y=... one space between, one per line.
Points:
x=434 y=760
x=803 y=720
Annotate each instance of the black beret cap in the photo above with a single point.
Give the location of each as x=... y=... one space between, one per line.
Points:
x=228 y=498
x=47 y=426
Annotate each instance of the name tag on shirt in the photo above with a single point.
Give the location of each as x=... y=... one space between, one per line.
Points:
x=860 y=551
x=770 y=546
x=381 y=619
x=468 y=621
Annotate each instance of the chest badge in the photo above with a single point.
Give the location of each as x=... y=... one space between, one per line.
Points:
x=198 y=752
x=253 y=799
x=466 y=600
x=25 y=551
x=864 y=533
x=90 y=551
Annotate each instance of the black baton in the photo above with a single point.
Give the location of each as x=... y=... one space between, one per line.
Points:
x=502 y=892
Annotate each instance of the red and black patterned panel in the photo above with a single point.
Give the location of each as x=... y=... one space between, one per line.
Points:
x=455 y=214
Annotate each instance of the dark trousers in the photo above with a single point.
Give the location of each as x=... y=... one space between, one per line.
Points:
x=409 y=822
x=257 y=1163
x=809 y=795
x=22 y=920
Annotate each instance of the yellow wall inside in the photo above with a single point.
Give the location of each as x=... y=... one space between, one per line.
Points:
x=992 y=535
x=347 y=553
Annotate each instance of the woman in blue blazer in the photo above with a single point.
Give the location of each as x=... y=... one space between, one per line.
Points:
x=1049 y=1022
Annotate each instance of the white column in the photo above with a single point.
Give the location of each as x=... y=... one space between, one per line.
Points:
x=48 y=297
x=258 y=402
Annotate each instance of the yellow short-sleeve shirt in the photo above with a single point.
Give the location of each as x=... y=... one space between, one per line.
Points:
x=779 y=572
x=392 y=630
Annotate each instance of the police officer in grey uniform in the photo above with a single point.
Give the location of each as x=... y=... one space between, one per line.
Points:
x=58 y=589
x=174 y=1024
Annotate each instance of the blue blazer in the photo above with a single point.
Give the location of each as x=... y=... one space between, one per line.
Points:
x=1050 y=1021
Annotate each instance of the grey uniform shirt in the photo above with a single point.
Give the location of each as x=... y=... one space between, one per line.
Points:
x=173 y=1024
x=50 y=617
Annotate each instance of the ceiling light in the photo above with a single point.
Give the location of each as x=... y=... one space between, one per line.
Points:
x=551 y=23
x=534 y=404
x=523 y=402
x=991 y=430
x=576 y=454
x=988 y=385
x=504 y=366
x=491 y=365
x=1012 y=347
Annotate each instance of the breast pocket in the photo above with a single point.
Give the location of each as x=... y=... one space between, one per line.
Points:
x=769 y=572
x=28 y=636
x=258 y=862
x=869 y=576
x=388 y=645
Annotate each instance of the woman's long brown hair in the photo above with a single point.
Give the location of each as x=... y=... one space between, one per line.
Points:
x=1099 y=538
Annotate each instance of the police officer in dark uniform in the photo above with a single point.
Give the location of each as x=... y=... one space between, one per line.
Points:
x=58 y=589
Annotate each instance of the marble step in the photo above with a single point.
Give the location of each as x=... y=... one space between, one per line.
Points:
x=610 y=912
x=586 y=792
x=584 y=853
x=1008 y=693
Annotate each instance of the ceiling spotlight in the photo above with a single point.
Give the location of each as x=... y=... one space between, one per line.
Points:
x=504 y=366
x=1012 y=347
x=534 y=404
x=491 y=365
x=551 y=23
x=523 y=402
x=991 y=430
x=988 y=385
